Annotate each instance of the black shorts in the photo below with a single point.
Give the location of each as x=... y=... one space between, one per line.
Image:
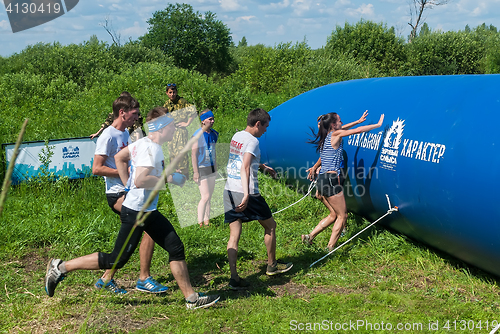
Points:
x=156 y=225
x=206 y=172
x=257 y=208
x=330 y=184
x=113 y=198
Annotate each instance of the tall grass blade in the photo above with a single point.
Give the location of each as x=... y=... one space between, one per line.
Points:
x=7 y=181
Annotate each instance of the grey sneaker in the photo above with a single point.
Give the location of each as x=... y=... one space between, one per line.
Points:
x=202 y=301
x=238 y=285
x=279 y=268
x=53 y=276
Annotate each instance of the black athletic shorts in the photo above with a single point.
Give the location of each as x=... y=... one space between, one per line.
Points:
x=206 y=172
x=156 y=225
x=257 y=208
x=113 y=198
x=330 y=184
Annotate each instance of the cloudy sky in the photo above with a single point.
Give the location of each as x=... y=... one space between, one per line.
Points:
x=259 y=21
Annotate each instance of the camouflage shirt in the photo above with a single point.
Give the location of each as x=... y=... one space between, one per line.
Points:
x=180 y=109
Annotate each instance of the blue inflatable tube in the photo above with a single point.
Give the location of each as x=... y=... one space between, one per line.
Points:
x=437 y=156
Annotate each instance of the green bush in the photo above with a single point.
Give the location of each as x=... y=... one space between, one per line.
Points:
x=439 y=53
x=74 y=62
x=324 y=69
x=267 y=69
x=491 y=62
x=135 y=52
x=370 y=42
x=490 y=37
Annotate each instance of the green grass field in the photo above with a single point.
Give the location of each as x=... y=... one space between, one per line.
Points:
x=376 y=283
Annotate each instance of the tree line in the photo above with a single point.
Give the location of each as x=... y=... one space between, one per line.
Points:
x=196 y=41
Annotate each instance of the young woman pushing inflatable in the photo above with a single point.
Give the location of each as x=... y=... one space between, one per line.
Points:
x=330 y=181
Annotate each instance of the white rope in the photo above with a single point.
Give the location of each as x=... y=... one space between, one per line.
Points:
x=311 y=187
x=391 y=210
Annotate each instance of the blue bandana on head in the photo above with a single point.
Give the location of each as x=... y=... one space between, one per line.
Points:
x=206 y=115
x=160 y=122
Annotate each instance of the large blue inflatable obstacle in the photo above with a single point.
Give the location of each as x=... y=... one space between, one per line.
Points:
x=437 y=156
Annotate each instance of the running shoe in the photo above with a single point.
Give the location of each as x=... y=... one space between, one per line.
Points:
x=306 y=239
x=150 y=285
x=279 y=268
x=53 y=276
x=111 y=286
x=238 y=285
x=202 y=301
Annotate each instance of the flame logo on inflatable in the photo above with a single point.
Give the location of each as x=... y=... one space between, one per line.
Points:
x=397 y=130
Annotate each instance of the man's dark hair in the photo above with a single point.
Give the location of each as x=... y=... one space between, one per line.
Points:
x=124 y=102
x=256 y=115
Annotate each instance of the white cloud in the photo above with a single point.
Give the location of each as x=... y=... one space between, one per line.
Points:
x=135 y=31
x=239 y=26
x=116 y=7
x=367 y=10
x=300 y=7
x=4 y=25
x=280 y=31
x=478 y=11
x=362 y=11
x=231 y=5
x=275 y=6
x=342 y=3
x=246 y=18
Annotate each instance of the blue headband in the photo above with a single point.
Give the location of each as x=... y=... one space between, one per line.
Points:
x=206 y=115
x=160 y=122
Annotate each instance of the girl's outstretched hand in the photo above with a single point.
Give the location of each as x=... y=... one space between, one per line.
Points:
x=363 y=118
x=381 y=120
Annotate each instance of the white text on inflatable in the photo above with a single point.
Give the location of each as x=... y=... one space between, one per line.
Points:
x=390 y=151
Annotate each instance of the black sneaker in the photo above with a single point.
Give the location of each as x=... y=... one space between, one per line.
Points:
x=202 y=301
x=238 y=285
x=279 y=268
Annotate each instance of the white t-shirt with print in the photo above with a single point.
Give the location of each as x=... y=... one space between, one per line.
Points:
x=143 y=153
x=241 y=143
x=110 y=142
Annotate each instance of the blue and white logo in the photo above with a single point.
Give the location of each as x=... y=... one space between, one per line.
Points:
x=71 y=152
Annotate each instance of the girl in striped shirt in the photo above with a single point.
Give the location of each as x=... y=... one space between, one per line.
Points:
x=330 y=181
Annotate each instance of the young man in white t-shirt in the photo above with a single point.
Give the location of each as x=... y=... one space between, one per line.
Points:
x=147 y=164
x=113 y=139
x=242 y=200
